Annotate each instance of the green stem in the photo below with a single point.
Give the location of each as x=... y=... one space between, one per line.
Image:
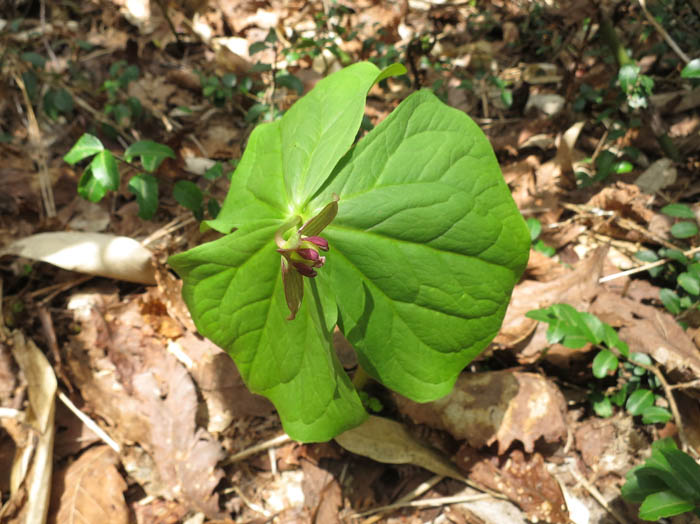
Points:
x=360 y=378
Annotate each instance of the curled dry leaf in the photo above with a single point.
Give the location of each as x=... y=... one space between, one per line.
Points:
x=499 y=406
x=390 y=442
x=97 y=254
x=31 y=470
x=91 y=489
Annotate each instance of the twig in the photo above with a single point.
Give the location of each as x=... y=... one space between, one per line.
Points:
x=89 y=422
x=644 y=267
x=173 y=225
x=663 y=33
x=277 y=441
x=427 y=503
x=37 y=145
x=671 y=401
x=596 y=495
x=413 y=494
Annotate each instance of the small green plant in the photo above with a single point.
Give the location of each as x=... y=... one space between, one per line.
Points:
x=681 y=276
x=218 y=90
x=667 y=484
x=409 y=242
x=56 y=100
x=635 y=385
x=121 y=107
x=535 y=228
x=102 y=175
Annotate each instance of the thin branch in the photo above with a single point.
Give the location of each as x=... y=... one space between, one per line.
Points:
x=644 y=267
x=277 y=441
x=671 y=43
x=89 y=422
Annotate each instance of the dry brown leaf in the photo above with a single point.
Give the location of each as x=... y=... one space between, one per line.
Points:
x=389 y=442
x=499 y=406
x=577 y=288
x=322 y=494
x=186 y=457
x=647 y=329
x=128 y=379
x=521 y=477
x=89 y=490
x=220 y=384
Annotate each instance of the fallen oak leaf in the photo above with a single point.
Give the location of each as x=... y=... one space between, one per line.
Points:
x=91 y=489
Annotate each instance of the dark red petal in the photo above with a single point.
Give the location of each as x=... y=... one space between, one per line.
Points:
x=308 y=254
x=304 y=270
x=321 y=242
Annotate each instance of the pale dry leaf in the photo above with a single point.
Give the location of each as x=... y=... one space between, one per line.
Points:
x=90 y=490
x=499 y=406
x=33 y=464
x=97 y=254
x=389 y=442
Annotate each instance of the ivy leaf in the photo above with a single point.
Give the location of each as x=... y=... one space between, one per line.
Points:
x=90 y=188
x=152 y=154
x=145 y=187
x=639 y=401
x=87 y=145
x=104 y=168
x=604 y=363
x=684 y=229
x=426 y=248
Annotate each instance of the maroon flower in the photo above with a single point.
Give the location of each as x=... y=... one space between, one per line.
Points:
x=300 y=252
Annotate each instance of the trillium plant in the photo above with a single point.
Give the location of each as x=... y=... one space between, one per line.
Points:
x=407 y=241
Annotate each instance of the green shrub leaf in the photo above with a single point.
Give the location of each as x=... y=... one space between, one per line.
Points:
x=684 y=229
x=689 y=282
x=678 y=210
x=656 y=415
x=104 y=169
x=152 y=154
x=188 y=195
x=87 y=145
x=639 y=401
x=604 y=363
x=663 y=504
x=692 y=69
x=90 y=188
x=145 y=187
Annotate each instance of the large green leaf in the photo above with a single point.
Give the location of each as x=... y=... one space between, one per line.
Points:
x=234 y=290
x=426 y=247
x=287 y=161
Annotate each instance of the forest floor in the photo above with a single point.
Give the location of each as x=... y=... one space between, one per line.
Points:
x=113 y=409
